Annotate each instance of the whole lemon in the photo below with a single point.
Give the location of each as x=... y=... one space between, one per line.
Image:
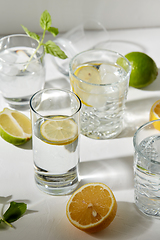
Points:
x=143 y=69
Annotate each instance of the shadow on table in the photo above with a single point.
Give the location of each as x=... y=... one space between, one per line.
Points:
x=62 y=83
x=26 y=146
x=117 y=173
x=128 y=223
x=136 y=114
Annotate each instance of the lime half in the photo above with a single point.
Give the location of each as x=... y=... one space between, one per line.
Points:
x=15 y=127
x=59 y=130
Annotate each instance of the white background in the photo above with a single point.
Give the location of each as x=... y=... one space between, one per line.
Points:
x=114 y=14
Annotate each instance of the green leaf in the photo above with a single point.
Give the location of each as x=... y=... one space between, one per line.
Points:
x=14 y=212
x=45 y=20
x=31 y=34
x=51 y=48
x=54 y=31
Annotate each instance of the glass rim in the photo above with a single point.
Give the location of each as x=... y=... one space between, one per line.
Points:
x=136 y=146
x=55 y=89
x=96 y=50
x=21 y=35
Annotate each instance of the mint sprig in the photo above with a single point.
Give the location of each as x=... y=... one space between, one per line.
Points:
x=49 y=47
x=13 y=213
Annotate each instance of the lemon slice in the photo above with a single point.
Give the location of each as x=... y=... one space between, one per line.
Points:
x=89 y=74
x=84 y=89
x=15 y=127
x=59 y=130
x=155 y=114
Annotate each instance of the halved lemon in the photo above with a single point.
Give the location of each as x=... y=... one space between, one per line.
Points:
x=92 y=207
x=155 y=114
x=15 y=127
x=59 y=130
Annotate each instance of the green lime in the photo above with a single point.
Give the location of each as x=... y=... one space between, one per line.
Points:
x=15 y=127
x=143 y=69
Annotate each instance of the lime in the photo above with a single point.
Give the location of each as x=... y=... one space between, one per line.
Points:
x=15 y=127
x=144 y=69
x=59 y=130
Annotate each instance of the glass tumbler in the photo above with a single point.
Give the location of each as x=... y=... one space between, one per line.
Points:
x=147 y=168
x=100 y=78
x=56 y=136
x=18 y=79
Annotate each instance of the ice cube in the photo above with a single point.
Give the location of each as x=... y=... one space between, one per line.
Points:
x=11 y=70
x=9 y=61
x=108 y=74
x=34 y=66
x=8 y=56
x=22 y=57
x=97 y=97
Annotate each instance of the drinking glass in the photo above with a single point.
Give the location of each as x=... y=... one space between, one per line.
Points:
x=102 y=85
x=55 y=133
x=18 y=82
x=147 y=168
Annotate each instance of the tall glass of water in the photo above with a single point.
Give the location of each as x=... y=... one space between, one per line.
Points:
x=56 y=133
x=147 y=168
x=18 y=80
x=100 y=78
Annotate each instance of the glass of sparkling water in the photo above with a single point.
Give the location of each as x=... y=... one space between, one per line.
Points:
x=147 y=168
x=100 y=78
x=55 y=133
x=18 y=82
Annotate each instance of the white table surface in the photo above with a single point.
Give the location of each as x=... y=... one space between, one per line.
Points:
x=107 y=161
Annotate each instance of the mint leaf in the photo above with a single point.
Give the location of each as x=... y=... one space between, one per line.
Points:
x=45 y=20
x=31 y=34
x=54 y=31
x=14 y=212
x=51 y=48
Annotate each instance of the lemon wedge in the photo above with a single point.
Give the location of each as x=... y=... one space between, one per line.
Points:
x=59 y=130
x=15 y=127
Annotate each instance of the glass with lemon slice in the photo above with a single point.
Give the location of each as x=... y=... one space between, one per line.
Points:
x=102 y=85
x=55 y=133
